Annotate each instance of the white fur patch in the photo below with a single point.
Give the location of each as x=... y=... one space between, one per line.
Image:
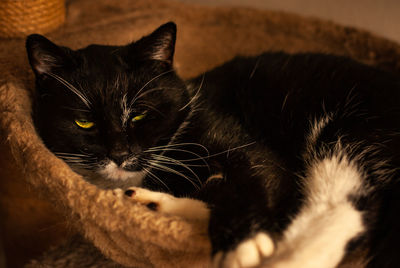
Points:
x=318 y=235
x=113 y=172
x=317 y=127
x=183 y=207
x=126 y=111
x=248 y=253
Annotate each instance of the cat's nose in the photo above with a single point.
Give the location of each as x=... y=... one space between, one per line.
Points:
x=119 y=157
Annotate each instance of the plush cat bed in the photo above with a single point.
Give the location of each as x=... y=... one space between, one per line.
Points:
x=126 y=232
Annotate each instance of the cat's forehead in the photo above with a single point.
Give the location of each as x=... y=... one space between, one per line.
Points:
x=103 y=72
x=102 y=59
x=97 y=52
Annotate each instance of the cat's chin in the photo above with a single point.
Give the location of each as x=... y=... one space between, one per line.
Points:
x=115 y=173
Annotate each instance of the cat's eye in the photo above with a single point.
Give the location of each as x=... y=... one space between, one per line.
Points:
x=83 y=123
x=139 y=117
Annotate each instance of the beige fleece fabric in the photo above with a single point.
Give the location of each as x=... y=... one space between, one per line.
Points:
x=124 y=231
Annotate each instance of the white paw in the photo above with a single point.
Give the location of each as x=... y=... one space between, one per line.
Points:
x=165 y=203
x=249 y=253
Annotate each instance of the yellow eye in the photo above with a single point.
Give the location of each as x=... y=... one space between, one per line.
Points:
x=138 y=117
x=84 y=123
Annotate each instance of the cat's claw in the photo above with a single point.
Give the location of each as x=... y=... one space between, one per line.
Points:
x=249 y=253
x=187 y=208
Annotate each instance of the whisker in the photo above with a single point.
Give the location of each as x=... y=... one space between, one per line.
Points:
x=166 y=159
x=255 y=68
x=232 y=149
x=79 y=158
x=160 y=167
x=275 y=164
x=61 y=153
x=216 y=154
x=150 y=107
x=151 y=90
x=195 y=95
x=75 y=109
x=179 y=164
x=198 y=157
x=125 y=110
x=180 y=144
x=145 y=85
x=156 y=177
x=172 y=147
x=72 y=88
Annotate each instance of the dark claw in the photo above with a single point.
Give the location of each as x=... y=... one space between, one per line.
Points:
x=130 y=192
x=152 y=206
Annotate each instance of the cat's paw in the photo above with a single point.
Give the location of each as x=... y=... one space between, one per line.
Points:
x=187 y=208
x=248 y=253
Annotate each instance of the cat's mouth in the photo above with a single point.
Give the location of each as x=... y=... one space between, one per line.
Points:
x=112 y=171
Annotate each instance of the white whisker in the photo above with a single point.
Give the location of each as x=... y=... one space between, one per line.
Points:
x=198 y=157
x=81 y=96
x=176 y=162
x=255 y=68
x=141 y=103
x=232 y=149
x=145 y=85
x=180 y=144
x=155 y=177
x=195 y=95
x=126 y=111
x=160 y=167
x=74 y=109
x=150 y=91
x=162 y=158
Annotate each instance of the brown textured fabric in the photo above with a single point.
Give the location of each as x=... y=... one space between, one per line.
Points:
x=124 y=231
x=17 y=18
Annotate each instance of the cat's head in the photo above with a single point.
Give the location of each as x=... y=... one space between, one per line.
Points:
x=106 y=109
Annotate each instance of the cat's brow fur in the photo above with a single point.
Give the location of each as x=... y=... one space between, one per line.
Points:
x=306 y=144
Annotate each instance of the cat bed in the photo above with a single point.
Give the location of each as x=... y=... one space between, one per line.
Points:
x=124 y=231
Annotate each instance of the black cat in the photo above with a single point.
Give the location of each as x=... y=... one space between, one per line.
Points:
x=296 y=156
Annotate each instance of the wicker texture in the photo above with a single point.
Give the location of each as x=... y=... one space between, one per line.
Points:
x=19 y=18
x=122 y=229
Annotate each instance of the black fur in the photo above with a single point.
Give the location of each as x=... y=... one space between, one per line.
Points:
x=248 y=119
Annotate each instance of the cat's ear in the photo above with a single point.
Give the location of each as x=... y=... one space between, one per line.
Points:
x=44 y=55
x=160 y=44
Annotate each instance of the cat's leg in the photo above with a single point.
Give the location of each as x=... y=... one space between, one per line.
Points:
x=250 y=252
x=338 y=195
x=187 y=208
x=242 y=226
x=328 y=220
x=319 y=234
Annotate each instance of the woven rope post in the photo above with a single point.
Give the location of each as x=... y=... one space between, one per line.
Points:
x=19 y=18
